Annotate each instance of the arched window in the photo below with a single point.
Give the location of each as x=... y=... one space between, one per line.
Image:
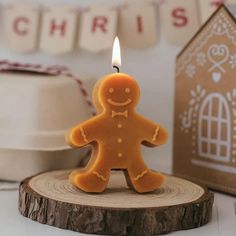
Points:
x=214 y=134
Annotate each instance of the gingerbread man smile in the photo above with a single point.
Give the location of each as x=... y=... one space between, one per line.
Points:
x=119 y=104
x=116 y=136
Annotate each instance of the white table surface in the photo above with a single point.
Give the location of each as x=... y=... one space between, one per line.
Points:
x=223 y=222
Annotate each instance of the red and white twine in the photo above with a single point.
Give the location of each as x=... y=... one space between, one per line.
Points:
x=51 y=70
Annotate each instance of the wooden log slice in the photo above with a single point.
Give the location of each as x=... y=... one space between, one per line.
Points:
x=178 y=205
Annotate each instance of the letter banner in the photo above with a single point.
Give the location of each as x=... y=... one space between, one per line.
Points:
x=58 y=29
x=21 y=24
x=138 y=25
x=98 y=28
x=207 y=7
x=180 y=20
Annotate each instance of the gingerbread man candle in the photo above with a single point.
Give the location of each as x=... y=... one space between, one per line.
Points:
x=116 y=134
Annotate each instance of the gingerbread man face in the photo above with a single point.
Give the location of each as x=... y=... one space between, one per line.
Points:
x=118 y=92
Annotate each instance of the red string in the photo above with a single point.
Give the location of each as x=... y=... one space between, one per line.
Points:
x=52 y=70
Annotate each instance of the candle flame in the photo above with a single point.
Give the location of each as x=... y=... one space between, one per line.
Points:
x=116 y=58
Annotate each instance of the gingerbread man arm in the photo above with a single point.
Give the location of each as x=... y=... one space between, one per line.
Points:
x=82 y=134
x=155 y=135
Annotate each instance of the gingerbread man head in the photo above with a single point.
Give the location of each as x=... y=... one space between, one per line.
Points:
x=117 y=92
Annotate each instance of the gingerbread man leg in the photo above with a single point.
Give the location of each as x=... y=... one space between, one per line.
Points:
x=141 y=178
x=93 y=179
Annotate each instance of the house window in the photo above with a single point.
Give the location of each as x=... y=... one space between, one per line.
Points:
x=214 y=138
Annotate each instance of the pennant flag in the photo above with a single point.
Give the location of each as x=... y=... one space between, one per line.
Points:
x=138 y=25
x=180 y=20
x=98 y=28
x=21 y=23
x=207 y=7
x=58 y=29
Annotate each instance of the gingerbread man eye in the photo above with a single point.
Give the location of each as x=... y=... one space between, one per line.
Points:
x=127 y=90
x=111 y=90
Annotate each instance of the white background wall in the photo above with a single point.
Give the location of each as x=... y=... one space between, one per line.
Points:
x=153 y=68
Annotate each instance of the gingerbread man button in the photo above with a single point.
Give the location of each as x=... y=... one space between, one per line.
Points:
x=116 y=134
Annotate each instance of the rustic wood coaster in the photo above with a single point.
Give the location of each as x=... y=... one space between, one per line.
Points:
x=179 y=204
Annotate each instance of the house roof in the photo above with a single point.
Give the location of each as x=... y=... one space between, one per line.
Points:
x=229 y=8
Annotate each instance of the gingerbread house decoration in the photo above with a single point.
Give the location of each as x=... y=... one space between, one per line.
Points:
x=205 y=105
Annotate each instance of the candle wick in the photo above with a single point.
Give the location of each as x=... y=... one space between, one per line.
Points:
x=117 y=68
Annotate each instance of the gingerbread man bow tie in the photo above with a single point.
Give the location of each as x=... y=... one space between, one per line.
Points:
x=114 y=113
